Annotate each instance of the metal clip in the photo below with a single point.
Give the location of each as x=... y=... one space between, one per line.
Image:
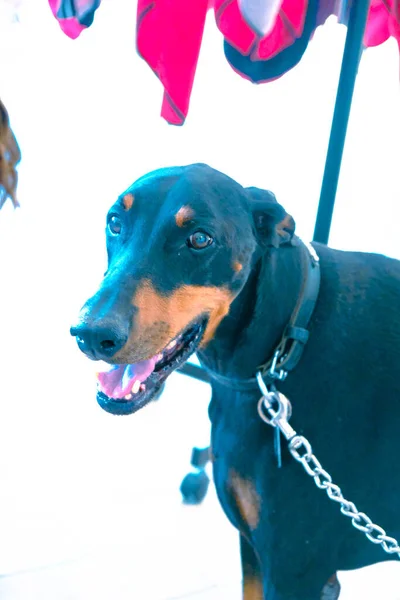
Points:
x=268 y=413
x=261 y=384
x=279 y=374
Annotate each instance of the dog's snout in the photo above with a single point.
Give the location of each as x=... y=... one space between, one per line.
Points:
x=99 y=341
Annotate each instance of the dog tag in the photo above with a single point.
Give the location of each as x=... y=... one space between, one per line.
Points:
x=277 y=447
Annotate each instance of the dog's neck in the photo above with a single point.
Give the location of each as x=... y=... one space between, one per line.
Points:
x=248 y=336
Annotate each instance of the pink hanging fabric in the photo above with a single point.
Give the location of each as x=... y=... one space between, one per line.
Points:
x=383 y=22
x=288 y=26
x=169 y=35
x=74 y=16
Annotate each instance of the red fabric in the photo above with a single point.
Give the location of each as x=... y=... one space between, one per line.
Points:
x=71 y=25
x=174 y=55
x=169 y=35
x=232 y=25
x=288 y=26
x=382 y=24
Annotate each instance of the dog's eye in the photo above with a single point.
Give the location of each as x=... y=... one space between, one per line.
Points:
x=200 y=240
x=115 y=225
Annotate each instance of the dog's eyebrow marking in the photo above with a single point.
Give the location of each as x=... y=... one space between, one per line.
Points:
x=237 y=266
x=127 y=201
x=184 y=214
x=247 y=499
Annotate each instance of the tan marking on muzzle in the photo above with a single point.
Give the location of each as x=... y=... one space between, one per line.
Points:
x=247 y=499
x=128 y=201
x=184 y=214
x=161 y=318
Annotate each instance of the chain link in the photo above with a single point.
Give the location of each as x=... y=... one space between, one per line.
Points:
x=274 y=408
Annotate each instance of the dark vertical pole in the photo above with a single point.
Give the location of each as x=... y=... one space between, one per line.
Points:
x=351 y=58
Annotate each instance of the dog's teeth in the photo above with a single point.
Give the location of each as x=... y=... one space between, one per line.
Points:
x=136 y=387
x=171 y=345
x=128 y=397
x=142 y=387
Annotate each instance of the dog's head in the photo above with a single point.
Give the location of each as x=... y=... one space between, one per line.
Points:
x=181 y=243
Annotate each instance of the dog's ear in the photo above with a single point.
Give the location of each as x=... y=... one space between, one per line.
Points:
x=274 y=226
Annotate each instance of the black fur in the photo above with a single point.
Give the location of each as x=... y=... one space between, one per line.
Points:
x=345 y=392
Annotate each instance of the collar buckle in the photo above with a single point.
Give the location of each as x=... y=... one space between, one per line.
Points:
x=273 y=372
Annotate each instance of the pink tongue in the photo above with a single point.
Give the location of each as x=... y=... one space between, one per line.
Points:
x=117 y=382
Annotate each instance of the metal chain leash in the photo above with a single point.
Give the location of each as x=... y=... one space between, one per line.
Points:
x=275 y=409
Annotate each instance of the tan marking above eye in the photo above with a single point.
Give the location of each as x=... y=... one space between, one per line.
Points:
x=184 y=214
x=237 y=266
x=175 y=311
x=247 y=499
x=127 y=201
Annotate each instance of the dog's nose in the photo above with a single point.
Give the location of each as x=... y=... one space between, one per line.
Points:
x=99 y=341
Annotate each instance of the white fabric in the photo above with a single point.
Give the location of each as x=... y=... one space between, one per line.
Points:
x=260 y=14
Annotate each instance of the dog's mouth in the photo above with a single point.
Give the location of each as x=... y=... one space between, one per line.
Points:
x=124 y=389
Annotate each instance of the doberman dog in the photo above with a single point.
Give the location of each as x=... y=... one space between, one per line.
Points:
x=198 y=263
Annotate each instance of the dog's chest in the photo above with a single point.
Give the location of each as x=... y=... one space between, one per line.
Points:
x=254 y=492
x=239 y=446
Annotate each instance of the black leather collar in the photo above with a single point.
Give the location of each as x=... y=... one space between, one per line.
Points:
x=290 y=349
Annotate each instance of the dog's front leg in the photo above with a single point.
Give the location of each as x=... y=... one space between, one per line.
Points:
x=252 y=581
